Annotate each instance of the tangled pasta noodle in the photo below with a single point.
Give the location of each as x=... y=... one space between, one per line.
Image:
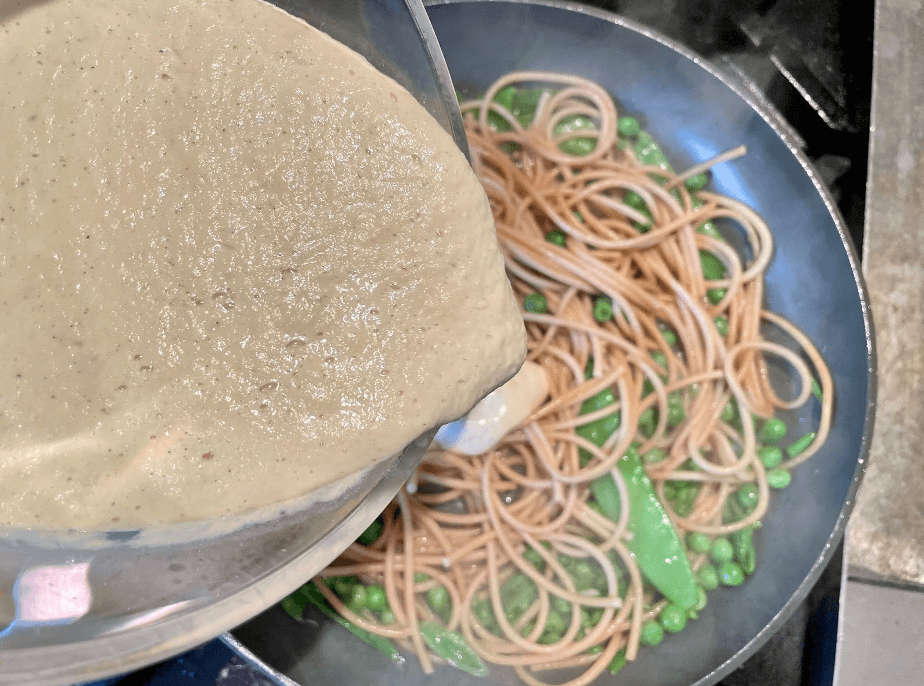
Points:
x=527 y=508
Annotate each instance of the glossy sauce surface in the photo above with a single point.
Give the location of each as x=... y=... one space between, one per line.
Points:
x=236 y=263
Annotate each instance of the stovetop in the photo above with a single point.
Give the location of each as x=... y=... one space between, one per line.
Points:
x=812 y=62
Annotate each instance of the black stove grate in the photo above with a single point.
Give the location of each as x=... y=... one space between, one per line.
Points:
x=812 y=61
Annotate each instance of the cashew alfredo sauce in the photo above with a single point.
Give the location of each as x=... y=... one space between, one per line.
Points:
x=236 y=264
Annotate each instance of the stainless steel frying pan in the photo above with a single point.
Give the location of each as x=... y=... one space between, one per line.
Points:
x=814 y=280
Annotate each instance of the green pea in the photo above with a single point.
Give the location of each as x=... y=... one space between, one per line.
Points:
x=716 y=295
x=594 y=614
x=357 y=597
x=484 y=613
x=721 y=325
x=697 y=182
x=554 y=623
x=647 y=421
x=603 y=309
x=652 y=633
x=634 y=200
x=687 y=491
x=376 y=599
x=628 y=126
x=700 y=599
x=560 y=605
x=721 y=550
x=589 y=617
x=654 y=455
x=504 y=97
x=816 y=390
x=670 y=336
x=713 y=268
x=557 y=238
x=683 y=507
x=800 y=444
x=778 y=478
x=386 y=616
x=420 y=577
x=372 y=532
x=731 y=574
x=772 y=430
x=670 y=490
x=770 y=456
x=535 y=302
x=356 y=607
x=698 y=542
x=517 y=593
x=532 y=556
x=673 y=618
x=708 y=229
x=582 y=570
x=748 y=495
x=586 y=621
x=438 y=598
x=675 y=411
x=343 y=585
x=728 y=412
x=496 y=121
x=659 y=359
x=708 y=577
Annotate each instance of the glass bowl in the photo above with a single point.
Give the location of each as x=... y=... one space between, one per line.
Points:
x=75 y=607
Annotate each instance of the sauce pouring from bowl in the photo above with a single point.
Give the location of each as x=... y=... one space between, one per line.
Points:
x=496 y=415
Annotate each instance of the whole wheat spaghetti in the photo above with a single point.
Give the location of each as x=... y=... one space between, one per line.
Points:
x=632 y=328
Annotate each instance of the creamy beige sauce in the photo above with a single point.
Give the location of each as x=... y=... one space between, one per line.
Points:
x=236 y=264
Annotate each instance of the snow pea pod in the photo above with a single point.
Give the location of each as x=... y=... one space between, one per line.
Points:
x=618 y=661
x=655 y=543
x=648 y=152
x=453 y=648
x=518 y=593
x=743 y=540
x=603 y=489
x=294 y=605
